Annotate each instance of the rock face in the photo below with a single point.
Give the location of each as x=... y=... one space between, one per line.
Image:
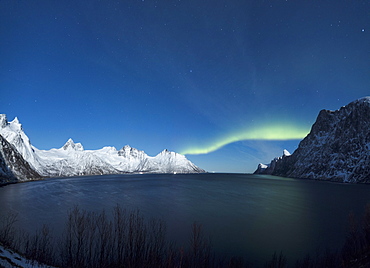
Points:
x=73 y=160
x=13 y=167
x=14 y=134
x=269 y=169
x=336 y=149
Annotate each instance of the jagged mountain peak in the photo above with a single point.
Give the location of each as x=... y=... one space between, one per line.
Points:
x=3 y=120
x=126 y=148
x=364 y=99
x=336 y=149
x=70 y=141
x=169 y=154
x=165 y=151
x=13 y=126
x=13 y=167
x=15 y=121
x=286 y=153
x=72 y=160
x=354 y=105
x=128 y=152
x=14 y=134
x=269 y=168
x=71 y=145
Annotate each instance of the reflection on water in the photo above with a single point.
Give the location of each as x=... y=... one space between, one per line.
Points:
x=247 y=215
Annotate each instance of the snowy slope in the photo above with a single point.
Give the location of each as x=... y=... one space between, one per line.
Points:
x=336 y=149
x=72 y=160
x=9 y=259
x=14 y=134
x=13 y=167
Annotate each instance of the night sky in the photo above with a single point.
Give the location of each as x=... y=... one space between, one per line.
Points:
x=228 y=83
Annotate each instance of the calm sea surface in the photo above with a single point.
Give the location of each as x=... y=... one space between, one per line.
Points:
x=247 y=215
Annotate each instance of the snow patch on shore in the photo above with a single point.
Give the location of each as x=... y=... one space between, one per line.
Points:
x=9 y=259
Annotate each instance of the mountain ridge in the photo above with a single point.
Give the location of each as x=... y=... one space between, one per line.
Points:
x=13 y=167
x=336 y=149
x=73 y=160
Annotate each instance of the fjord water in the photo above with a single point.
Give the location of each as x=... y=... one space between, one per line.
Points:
x=251 y=216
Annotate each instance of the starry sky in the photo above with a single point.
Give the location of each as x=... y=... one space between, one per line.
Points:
x=228 y=83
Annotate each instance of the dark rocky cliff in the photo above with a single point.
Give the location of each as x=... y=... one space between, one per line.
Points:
x=336 y=149
x=13 y=168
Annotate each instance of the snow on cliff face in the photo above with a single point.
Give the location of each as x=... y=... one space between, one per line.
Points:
x=71 y=146
x=14 y=134
x=269 y=169
x=336 y=149
x=13 y=167
x=72 y=160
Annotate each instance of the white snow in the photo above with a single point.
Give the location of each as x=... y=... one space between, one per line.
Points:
x=334 y=150
x=9 y=259
x=364 y=99
x=70 y=145
x=14 y=134
x=72 y=160
x=262 y=166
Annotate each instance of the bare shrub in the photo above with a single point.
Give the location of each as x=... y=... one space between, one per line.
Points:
x=307 y=262
x=7 y=229
x=200 y=248
x=77 y=242
x=120 y=226
x=236 y=262
x=40 y=246
x=157 y=245
x=104 y=243
x=277 y=261
x=355 y=241
x=366 y=225
x=126 y=240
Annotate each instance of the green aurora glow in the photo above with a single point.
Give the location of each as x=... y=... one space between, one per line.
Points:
x=270 y=132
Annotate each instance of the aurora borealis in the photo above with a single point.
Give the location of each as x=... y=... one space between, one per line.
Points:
x=269 y=132
x=228 y=83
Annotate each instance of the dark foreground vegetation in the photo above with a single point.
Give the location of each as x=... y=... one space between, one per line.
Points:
x=126 y=239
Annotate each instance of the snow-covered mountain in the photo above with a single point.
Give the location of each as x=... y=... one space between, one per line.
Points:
x=13 y=167
x=336 y=149
x=14 y=134
x=73 y=160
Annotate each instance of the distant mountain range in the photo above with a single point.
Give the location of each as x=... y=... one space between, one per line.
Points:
x=20 y=161
x=336 y=149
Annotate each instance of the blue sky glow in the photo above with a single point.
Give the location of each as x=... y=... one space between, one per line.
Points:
x=180 y=74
